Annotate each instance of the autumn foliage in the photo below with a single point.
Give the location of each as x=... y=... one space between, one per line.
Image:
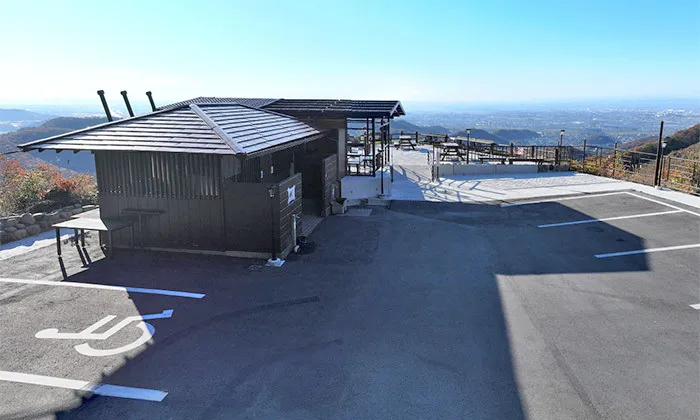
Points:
x=21 y=189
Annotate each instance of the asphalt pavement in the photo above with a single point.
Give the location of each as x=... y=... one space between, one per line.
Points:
x=421 y=310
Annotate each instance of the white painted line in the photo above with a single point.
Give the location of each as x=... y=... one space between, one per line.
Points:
x=99 y=389
x=550 y=200
x=696 y=306
x=661 y=202
x=646 y=251
x=580 y=222
x=107 y=287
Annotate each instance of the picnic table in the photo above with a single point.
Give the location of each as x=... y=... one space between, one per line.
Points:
x=405 y=141
x=92 y=222
x=451 y=150
x=358 y=160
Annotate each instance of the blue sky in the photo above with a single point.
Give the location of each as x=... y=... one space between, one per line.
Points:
x=456 y=51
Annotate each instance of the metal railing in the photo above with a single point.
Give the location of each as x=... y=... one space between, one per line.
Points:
x=645 y=168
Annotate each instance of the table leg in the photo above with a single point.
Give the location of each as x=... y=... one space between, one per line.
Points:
x=82 y=245
x=58 y=251
x=110 y=243
x=77 y=247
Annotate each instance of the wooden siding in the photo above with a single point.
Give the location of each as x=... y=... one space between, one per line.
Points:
x=329 y=171
x=192 y=213
x=286 y=211
x=160 y=175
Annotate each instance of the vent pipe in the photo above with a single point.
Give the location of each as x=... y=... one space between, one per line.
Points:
x=128 y=105
x=150 y=99
x=101 y=93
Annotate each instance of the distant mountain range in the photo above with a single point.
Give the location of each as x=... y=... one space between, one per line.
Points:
x=500 y=136
x=79 y=162
x=12 y=119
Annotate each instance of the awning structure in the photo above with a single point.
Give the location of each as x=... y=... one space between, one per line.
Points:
x=221 y=128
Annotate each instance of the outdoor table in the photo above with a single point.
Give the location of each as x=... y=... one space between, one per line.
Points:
x=451 y=149
x=405 y=141
x=80 y=225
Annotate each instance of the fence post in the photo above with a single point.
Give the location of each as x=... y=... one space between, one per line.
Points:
x=511 y=149
x=583 y=163
x=492 y=145
x=416 y=138
x=467 y=152
x=600 y=166
x=614 y=160
x=532 y=152
x=659 y=153
x=668 y=167
x=556 y=156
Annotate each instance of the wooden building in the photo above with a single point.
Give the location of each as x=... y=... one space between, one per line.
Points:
x=221 y=175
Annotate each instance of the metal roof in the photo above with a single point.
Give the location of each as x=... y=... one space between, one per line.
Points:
x=342 y=108
x=312 y=108
x=254 y=102
x=194 y=128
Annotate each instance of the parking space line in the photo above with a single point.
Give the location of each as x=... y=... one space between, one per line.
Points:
x=632 y=216
x=550 y=200
x=696 y=306
x=107 y=287
x=98 y=389
x=646 y=251
x=661 y=202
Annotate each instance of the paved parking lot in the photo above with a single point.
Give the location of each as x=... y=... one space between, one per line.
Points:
x=578 y=307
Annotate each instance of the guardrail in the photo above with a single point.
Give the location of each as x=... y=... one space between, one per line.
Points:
x=673 y=172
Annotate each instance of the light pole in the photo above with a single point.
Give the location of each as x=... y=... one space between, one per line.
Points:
x=469 y=130
x=561 y=137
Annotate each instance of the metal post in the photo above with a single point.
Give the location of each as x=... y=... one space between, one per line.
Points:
x=374 y=151
x=128 y=105
x=583 y=163
x=101 y=93
x=467 y=151
x=614 y=160
x=271 y=191
x=150 y=99
x=58 y=252
x=659 y=151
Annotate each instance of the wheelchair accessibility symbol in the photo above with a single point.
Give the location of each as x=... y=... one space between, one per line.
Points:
x=89 y=333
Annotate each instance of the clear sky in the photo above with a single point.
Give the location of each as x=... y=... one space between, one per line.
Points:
x=471 y=51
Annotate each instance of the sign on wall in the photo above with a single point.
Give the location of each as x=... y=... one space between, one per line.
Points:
x=291 y=194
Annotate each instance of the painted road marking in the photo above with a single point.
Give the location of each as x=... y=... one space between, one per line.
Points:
x=580 y=222
x=89 y=334
x=696 y=306
x=646 y=251
x=107 y=287
x=99 y=389
x=661 y=202
x=549 y=200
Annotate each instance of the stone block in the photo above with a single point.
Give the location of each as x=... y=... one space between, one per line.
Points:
x=33 y=230
x=89 y=207
x=64 y=215
x=20 y=225
x=39 y=216
x=27 y=219
x=10 y=229
x=77 y=211
x=12 y=221
x=44 y=225
x=18 y=234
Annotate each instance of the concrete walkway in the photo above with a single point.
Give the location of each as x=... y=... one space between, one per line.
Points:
x=415 y=185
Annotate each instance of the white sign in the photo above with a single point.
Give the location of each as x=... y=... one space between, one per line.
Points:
x=291 y=194
x=89 y=334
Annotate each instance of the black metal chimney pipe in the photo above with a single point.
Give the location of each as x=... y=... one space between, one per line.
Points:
x=104 y=104
x=150 y=99
x=128 y=105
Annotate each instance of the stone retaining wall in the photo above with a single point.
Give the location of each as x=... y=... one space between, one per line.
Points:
x=16 y=227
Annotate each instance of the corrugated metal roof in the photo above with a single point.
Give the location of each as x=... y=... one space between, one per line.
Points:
x=194 y=128
x=313 y=108
x=344 y=108
x=254 y=102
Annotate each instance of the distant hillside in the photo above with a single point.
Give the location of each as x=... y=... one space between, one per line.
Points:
x=690 y=152
x=22 y=115
x=80 y=162
x=407 y=127
x=677 y=141
x=477 y=133
x=515 y=135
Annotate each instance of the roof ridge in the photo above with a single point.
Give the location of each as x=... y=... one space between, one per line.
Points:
x=217 y=129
